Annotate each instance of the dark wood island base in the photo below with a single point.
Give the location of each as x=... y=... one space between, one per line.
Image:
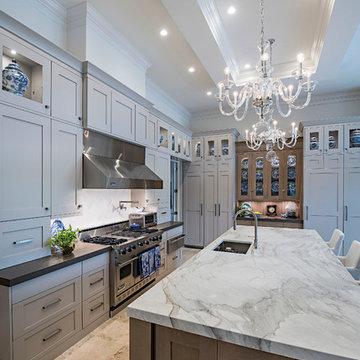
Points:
x=154 y=342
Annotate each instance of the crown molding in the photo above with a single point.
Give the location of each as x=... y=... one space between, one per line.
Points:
x=152 y=87
x=85 y=14
x=53 y=10
x=319 y=38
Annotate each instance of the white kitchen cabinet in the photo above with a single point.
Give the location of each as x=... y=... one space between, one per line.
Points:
x=197 y=149
x=163 y=137
x=122 y=116
x=210 y=207
x=225 y=202
x=66 y=94
x=152 y=132
x=351 y=206
x=313 y=140
x=24 y=164
x=24 y=240
x=333 y=139
x=194 y=207
x=37 y=67
x=352 y=141
x=219 y=147
x=98 y=105
x=323 y=201
x=211 y=147
x=146 y=128
x=173 y=141
x=66 y=165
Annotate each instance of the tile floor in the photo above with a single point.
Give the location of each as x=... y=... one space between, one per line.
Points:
x=110 y=341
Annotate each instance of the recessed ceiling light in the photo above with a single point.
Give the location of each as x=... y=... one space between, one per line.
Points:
x=163 y=32
x=191 y=69
x=231 y=10
x=209 y=93
x=247 y=66
x=13 y=52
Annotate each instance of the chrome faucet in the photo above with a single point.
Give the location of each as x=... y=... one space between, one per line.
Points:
x=256 y=223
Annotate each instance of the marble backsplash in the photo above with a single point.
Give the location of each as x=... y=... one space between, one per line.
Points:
x=100 y=207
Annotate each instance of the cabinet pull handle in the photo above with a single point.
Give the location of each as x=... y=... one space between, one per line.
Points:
x=174 y=258
x=97 y=281
x=97 y=306
x=48 y=337
x=44 y=307
x=79 y=118
x=164 y=212
x=306 y=212
x=79 y=206
x=215 y=209
x=22 y=241
x=219 y=210
x=200 y=209
x=346 y=213
x=46 y=106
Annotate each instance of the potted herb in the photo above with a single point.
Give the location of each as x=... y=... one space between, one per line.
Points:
x=65 y=240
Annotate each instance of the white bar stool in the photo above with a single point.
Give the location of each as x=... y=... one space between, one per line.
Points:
x=337 y=241
x=352 y=260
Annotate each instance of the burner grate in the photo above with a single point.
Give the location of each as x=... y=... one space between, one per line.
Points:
x=105 y=240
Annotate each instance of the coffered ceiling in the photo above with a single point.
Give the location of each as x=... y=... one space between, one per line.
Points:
x=203 y=35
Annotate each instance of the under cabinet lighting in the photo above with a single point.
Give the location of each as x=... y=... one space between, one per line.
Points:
x=191 y=69
x=163 y=32
x=13 y=52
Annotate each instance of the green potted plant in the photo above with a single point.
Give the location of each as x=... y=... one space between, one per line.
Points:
x=65 y=240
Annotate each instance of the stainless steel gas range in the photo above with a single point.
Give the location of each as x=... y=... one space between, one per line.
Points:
x=126 y=277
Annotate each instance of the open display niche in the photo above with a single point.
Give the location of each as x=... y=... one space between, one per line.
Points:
x=164 y=134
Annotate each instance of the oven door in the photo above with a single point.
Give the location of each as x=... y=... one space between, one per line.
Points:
x=125 y=276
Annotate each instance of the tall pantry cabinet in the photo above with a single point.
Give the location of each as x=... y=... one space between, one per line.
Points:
x=331 y=180
x=209 y=185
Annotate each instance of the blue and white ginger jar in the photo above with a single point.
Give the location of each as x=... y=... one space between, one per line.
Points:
x=14 y=80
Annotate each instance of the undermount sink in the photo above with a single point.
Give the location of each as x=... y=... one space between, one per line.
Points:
x=233 y=247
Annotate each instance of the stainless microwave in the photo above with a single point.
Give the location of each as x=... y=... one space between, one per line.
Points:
x=144 y=219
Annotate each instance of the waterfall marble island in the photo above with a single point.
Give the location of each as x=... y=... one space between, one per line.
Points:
x=290 y=298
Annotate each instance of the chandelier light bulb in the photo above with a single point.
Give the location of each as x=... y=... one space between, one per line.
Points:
x=290 y=87
x=300 y=58
x=226 y=71
x=265 y=57
x=235 y=93
x=275 y=122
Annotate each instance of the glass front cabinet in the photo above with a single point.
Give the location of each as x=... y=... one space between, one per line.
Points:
x=352 y=137
x=219 y=147
x=197 y=149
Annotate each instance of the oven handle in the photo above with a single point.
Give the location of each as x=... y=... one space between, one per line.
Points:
x=120 y=264
x=136 y=268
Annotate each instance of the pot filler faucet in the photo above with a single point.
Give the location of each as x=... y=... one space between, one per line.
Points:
x=256 y=223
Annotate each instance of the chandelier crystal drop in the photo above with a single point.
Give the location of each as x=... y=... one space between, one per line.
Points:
x=264 y=93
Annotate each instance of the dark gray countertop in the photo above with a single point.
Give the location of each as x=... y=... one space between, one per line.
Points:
x=168 y=225
x=29 y=270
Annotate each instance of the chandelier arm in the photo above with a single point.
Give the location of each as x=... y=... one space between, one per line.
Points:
x=279 y=108
x=288 y=99
x=245 y=110
x=223 y=112
x=299 y=107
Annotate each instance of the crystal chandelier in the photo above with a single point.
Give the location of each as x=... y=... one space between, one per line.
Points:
x=263 y=91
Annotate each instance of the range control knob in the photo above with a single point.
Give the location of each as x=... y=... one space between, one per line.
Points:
x=123 y=252
x=140 y=243
x=156 y=238
x=129 y=249
x=133 y=247
x=160 y=237
x=146 y=242
x=152 y=239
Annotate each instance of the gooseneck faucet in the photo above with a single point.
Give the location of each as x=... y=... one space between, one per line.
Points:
x=256 y=223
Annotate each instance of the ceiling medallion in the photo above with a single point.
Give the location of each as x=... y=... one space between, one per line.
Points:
x=263 y=91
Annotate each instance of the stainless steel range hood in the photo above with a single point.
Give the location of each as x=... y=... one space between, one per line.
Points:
x=109 y=163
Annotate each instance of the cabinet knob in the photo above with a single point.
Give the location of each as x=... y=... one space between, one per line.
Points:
x=79 y=206
x=79 y=118
x=46 y=106
x=346 y=148
x=46 y=208
x=283 y=190
x=320 y=150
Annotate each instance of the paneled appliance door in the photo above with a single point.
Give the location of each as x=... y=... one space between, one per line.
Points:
x=194 y=210
x=210 y=207
x=351 y=206
x=323 y=201
x=225 y=202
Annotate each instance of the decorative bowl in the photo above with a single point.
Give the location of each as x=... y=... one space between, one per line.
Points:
x=291 y=173
x=212 y=151
x=259 y=163
x=244 y=164
x=198 y=150
x=225 y=150
x=332 y=144
x=244 y=174
x=14 y=80
x=275 y=174
x=291 y=160
x=291 y=188
x=355 y=138
x=244 y=188
x=275 y=187
x=275 y=162
x=259 y=174
x=314 y=145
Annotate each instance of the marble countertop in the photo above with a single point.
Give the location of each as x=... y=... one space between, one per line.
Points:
x=290 y=297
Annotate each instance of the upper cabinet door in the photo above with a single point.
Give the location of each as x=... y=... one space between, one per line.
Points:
x=313 y=139
x=333 y=139
x=24 y=164
x=243 y=173
x=122 y=116
x=163 y=136
x=66 y=94
x=352 y=137
x=98 y=106
x=211 y=147
x=151 y=131
x=225 y=147
x=37 y=68
x=142 y=117
x=198 y=149
x=291 y=162
x=66 y=161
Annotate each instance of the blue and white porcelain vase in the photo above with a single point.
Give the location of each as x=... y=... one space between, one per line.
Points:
x=14 y=80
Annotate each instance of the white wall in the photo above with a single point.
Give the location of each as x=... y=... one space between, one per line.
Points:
x=332 y=107
x=100 y=207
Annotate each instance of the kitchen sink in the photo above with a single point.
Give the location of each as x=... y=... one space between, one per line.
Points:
x=233 y=247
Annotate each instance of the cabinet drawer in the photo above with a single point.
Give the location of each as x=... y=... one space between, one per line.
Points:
x=314 y=162
x=95 y=262
x=95 y=307
x=352 y=159
x=38 y=309
x=23 y=240
x=174 y=232
x=226 y=165
x=333 y=161
x=36 y=343
x=210 y=166
x=174 y=259
x=95 y=281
